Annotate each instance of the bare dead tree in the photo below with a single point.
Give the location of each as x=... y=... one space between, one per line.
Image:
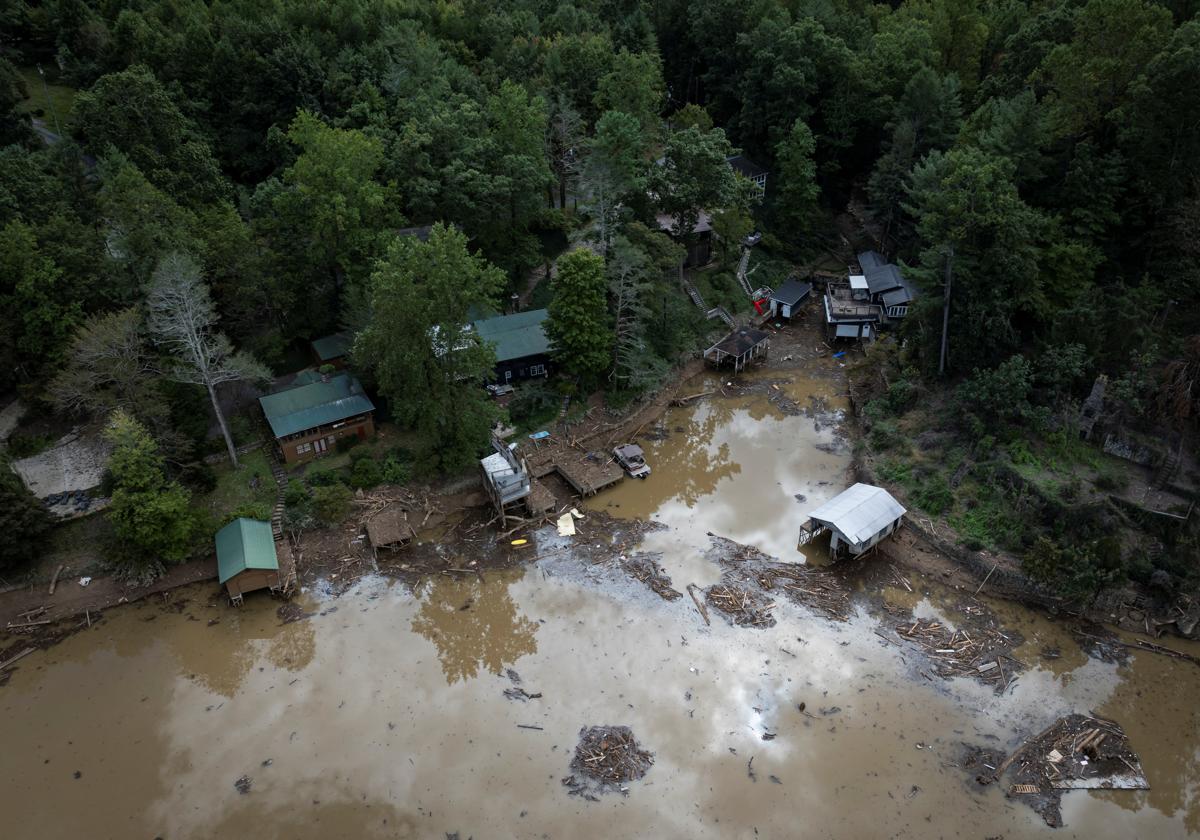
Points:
x=183 y=321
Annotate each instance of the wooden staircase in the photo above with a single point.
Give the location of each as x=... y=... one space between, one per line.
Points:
x=281 y=484
x=1170 y=465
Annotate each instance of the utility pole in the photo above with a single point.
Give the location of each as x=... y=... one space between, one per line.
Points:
x=49 y=101
x=946 y=311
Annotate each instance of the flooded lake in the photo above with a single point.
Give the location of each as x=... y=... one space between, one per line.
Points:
x=383 y=713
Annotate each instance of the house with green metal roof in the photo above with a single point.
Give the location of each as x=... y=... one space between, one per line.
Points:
x=246 y=557
x=522 y=348
x=308 y=420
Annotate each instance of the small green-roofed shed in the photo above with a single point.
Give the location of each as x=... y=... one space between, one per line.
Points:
x=245 y=544
x=316 y=404
x=331 y=347
x=515 y=336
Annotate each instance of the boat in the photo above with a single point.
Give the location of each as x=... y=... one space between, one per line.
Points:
x=632 y=459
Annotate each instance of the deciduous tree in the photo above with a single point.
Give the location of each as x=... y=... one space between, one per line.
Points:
x=151 y=515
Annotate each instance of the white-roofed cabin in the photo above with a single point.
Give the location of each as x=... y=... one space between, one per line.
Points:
x=856 y=519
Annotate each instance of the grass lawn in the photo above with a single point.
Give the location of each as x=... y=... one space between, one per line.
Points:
x=235 y=488
x=51 y=99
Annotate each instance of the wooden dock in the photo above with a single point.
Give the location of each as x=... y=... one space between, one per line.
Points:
x=586 y=473
x=540 y=500
x=589 y=477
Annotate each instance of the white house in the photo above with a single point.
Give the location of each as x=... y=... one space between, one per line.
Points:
x=857 y=519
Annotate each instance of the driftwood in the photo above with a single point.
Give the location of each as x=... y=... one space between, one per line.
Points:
x=1141 y=644
x=54 y=580
x=691 y=588
x=12 y=659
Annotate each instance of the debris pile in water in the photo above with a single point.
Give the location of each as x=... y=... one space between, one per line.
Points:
x=808 y=587
x=606 y=758
x=1077 y=752
x=741 y=606
x=645 y=568
x=748 y=569
x=982 y=652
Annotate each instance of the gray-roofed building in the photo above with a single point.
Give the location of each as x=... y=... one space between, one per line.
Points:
x=522 y=348
x=741 y=347
x=871 y=259
x=308 y=420
x=786 y=300
x=750 y=170
x=856 y=519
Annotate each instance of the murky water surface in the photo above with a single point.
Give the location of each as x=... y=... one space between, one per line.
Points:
x=383 y=715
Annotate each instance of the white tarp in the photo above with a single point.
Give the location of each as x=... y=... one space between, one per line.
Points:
x=860 y=512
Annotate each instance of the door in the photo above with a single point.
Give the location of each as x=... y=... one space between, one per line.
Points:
x=319 y=446
x=508 y=376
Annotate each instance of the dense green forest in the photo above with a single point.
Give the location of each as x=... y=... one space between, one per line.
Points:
x=1042 y=157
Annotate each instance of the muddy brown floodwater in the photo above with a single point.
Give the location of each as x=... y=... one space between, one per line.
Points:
x=384 y=713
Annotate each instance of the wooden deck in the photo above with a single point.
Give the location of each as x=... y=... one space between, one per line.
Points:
x=589 y=477
x=540 y=500
x=586 y=473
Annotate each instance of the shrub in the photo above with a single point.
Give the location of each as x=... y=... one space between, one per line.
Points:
x=886 y=435
x=299 y=515
x=395 y=471
x=360 y=453
x=320 y=475
x=331 y=503
x=251 y=510
x=933 y=495
x=901 y=395
x=532 y=402
x=366 y=473
x=994 y=397
x=295 y=493
x=346 y=444
x=1078 y=571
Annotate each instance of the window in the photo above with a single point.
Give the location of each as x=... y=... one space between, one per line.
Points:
x=537 y=370
x=331 y=439
x=303 y=448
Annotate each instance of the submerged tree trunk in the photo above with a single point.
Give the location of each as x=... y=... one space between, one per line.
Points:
x=212 y=394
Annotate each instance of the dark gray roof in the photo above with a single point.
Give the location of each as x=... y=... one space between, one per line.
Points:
x=895 y=297
x=421 y=232
x=871 y=259
x=741 y=341
x=884 y=278
x=744 y=166
x=792 y=292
